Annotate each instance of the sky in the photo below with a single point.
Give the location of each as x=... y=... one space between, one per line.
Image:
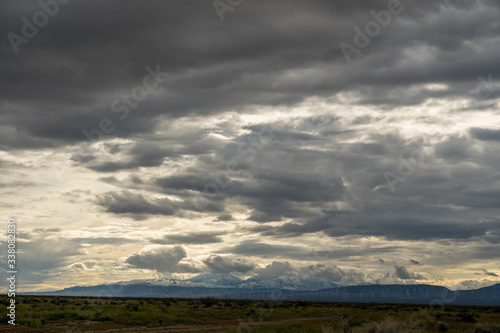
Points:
x=354 y=141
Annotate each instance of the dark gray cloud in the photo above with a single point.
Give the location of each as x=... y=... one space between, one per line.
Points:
x=139 y=206
x=388 y=225
x=264 y=250
x=490 y=273
x=149 y=153
x=103 y=240
x=403 y=274
x=224 y=264
x=225 y=217
x=275 y=269
x=136 y=204
x=82 y=158
x=306 y=185
x=286 y=273
x=258 y=121
x=163 y=260
x=485 y=134
x=192 y=238
x=209 y=72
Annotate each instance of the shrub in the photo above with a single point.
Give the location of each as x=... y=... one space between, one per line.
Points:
x=442 y=327
x=209 y=301
x=487 y=328
x=132 y=306
x=253 y=313
x=466 y=317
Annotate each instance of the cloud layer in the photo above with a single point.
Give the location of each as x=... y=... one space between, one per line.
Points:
x=157 y=138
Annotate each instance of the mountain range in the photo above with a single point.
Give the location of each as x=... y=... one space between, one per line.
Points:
x=284 y=288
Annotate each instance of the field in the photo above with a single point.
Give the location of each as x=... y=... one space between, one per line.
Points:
x=79 y=314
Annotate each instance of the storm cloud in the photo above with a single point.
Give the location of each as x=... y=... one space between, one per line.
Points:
x=251 y=142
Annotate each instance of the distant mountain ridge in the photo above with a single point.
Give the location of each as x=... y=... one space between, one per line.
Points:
x=228 y=281
x=417 y=294
x=227 y=286
x=221 y=280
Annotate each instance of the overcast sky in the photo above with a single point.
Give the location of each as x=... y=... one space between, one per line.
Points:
x=356 y=141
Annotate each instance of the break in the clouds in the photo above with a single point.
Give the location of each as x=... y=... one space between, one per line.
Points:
x=172 y=138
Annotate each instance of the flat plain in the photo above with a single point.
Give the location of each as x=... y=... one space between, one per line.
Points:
x=90 y=314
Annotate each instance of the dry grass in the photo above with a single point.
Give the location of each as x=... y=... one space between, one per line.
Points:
x=487 y=328
x=388 y=325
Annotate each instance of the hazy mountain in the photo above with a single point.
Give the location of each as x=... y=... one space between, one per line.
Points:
x=220 y=280
x=228 y=286
x=228 y=280
x=402 y=294
x=286 y=282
